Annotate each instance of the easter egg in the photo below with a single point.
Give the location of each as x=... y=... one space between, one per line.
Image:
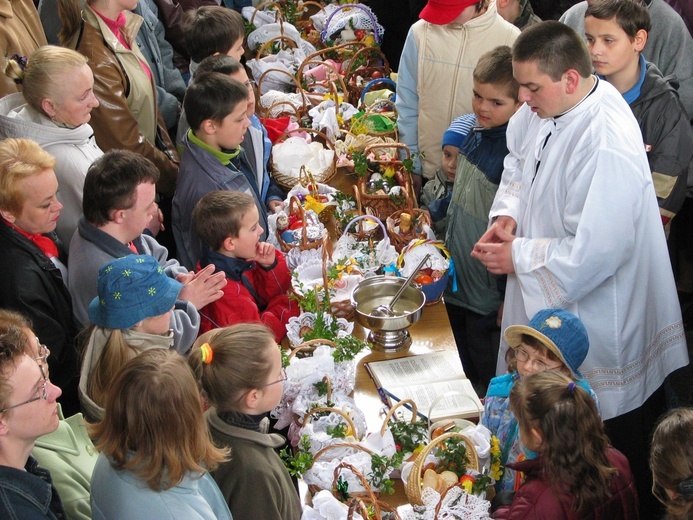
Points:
x=288 y=237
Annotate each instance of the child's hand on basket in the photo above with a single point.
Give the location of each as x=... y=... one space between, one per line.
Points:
x=266 y=254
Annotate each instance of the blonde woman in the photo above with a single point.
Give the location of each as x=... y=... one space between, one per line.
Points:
x=54 y=110
x=33 y=276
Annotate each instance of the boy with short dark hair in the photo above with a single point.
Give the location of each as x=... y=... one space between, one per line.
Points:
x=474 y=303
x=211 y=30
x=213 y=158
x=616 y=32
x=258 y=278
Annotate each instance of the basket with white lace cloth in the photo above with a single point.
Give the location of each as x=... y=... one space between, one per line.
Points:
x=454 y=502
x=348 y=18
x=291 y=152
x=358 y=246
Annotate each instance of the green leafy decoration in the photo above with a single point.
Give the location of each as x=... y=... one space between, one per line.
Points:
x=301 y=461
x=347 y=348
x=321 y=387
x=337 y=432
x=381 y=467
x=453 y=456
x=409 y=436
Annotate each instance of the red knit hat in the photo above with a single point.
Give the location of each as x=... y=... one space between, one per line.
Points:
x=441 y=12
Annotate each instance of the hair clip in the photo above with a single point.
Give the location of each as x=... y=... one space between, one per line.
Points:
x=21 y=62
x=571 y=387
x=207 y=353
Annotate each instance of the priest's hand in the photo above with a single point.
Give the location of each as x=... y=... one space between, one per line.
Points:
x=494 y=248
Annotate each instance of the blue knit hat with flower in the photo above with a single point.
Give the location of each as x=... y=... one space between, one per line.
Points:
x=559 y=331
x=131 y=289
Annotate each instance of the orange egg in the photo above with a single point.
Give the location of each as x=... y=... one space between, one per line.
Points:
x=423 y=279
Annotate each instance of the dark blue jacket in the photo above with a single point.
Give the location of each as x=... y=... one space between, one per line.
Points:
x=29 y=495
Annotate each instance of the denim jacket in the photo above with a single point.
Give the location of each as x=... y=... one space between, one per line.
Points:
x=29 y=495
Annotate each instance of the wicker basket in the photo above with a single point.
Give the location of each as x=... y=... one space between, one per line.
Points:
x=419 y=216
x=363 y=124
x=303 y=22
x=391 y=412
x=383 y=82
x=326 y=31
x=433 y=291
x=369 y=493
x=341 y=308
x=361 y=234
x=414 y=482
x=291 y=109
x=266 y=49
x=338 y=309
x=375 y=62
x=288 y=181
x=295 y=208
x=337 y=53
x=334 y=86
x=307 y=348
x=383 y=205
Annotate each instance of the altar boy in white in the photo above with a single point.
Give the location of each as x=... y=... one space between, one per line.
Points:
x=576 y=226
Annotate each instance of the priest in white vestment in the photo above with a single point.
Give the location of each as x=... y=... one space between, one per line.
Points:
x=588 y=236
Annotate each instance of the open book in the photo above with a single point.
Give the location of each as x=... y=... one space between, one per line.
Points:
x=425 y=378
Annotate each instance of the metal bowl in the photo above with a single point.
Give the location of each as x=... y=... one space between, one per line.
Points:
x=388 y=333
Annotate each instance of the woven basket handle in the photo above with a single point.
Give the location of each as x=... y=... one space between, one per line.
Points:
x=325 y=32
x=415 y=477
x=309 y=343
x=374 y=82
x=363 y=217
x=398 y=146
x=337 y=445
x=366 y=50
x=370 y=110
x=309 y=417
x=393 y=409
x=366 y=485
x=280 y=14
x=282 y=71
x=296 y=208
x=319 y=54
x=306 y=179
x=289 y=43
x=354 y=504
x=339 y=78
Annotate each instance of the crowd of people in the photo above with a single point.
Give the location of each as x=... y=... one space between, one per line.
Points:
x=141 y=304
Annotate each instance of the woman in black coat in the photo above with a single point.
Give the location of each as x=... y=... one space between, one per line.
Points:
x=32 y=266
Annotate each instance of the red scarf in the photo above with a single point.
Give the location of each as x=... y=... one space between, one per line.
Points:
x=45 y=244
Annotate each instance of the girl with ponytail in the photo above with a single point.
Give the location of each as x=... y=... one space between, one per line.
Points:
x=575 y=473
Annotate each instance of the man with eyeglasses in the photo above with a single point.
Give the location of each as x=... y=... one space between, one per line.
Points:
x=28 y=409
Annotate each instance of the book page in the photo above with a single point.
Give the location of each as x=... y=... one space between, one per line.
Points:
x=437 y=366
x=464 y=403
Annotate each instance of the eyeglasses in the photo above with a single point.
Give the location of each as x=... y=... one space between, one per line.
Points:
x=41 y=393
x=44 y=352
x=42 y=360
x=540 y=366
x=284 y=377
